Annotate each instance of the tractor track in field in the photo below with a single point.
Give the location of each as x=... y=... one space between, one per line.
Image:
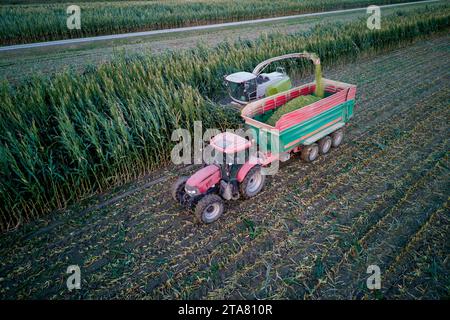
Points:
x=361 y=242
x=170 y=248
x=207 y=243
x=313 y=195
x=341 y=273
x=298 y=243
x=310 y=242
x=430 y=240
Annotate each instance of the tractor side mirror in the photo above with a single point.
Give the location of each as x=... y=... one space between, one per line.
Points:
x=225 y=82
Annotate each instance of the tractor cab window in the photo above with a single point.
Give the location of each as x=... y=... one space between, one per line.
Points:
x=244 y=91
x=237 y=90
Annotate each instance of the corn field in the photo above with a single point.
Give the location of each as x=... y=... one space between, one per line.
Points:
x=33 y=21
x=69 y=136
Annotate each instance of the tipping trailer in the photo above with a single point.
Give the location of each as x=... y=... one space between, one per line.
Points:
x=308 y=127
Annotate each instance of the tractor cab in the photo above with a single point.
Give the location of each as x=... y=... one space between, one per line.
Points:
x=229 y=143
x=241 y=86
x=244 y=87
x=231 y=151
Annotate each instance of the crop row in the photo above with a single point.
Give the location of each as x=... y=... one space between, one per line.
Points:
x=426 y=254
x=38 y=22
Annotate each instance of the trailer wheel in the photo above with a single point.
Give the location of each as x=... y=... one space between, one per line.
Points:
x=325 y=145
x=209 y=208
x=310 y=153
x=252 y=183
x=178 y=192
x=337 y=138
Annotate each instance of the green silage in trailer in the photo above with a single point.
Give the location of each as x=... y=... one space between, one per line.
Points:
x=292 y=105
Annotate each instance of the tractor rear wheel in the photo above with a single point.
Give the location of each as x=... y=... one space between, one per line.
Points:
x=337 y=138
x=178 y=192
x=252 y=183
x=209 y=208
x=310 y=153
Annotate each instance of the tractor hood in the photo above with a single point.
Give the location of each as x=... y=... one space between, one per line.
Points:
x=203 y=179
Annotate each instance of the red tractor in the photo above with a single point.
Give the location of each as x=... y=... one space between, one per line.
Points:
x=206 y=189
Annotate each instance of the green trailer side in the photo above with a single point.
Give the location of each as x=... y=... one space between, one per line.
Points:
x=306 y=132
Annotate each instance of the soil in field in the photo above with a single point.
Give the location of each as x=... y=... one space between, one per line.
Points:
x=379 y=199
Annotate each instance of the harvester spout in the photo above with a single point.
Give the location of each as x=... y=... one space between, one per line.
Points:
x=305 y=55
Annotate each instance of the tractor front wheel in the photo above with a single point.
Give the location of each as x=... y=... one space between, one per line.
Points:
x=310 y=153
x=178 y=192
x=209 y=208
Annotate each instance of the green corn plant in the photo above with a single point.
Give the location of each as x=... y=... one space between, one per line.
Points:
x=47 y=21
